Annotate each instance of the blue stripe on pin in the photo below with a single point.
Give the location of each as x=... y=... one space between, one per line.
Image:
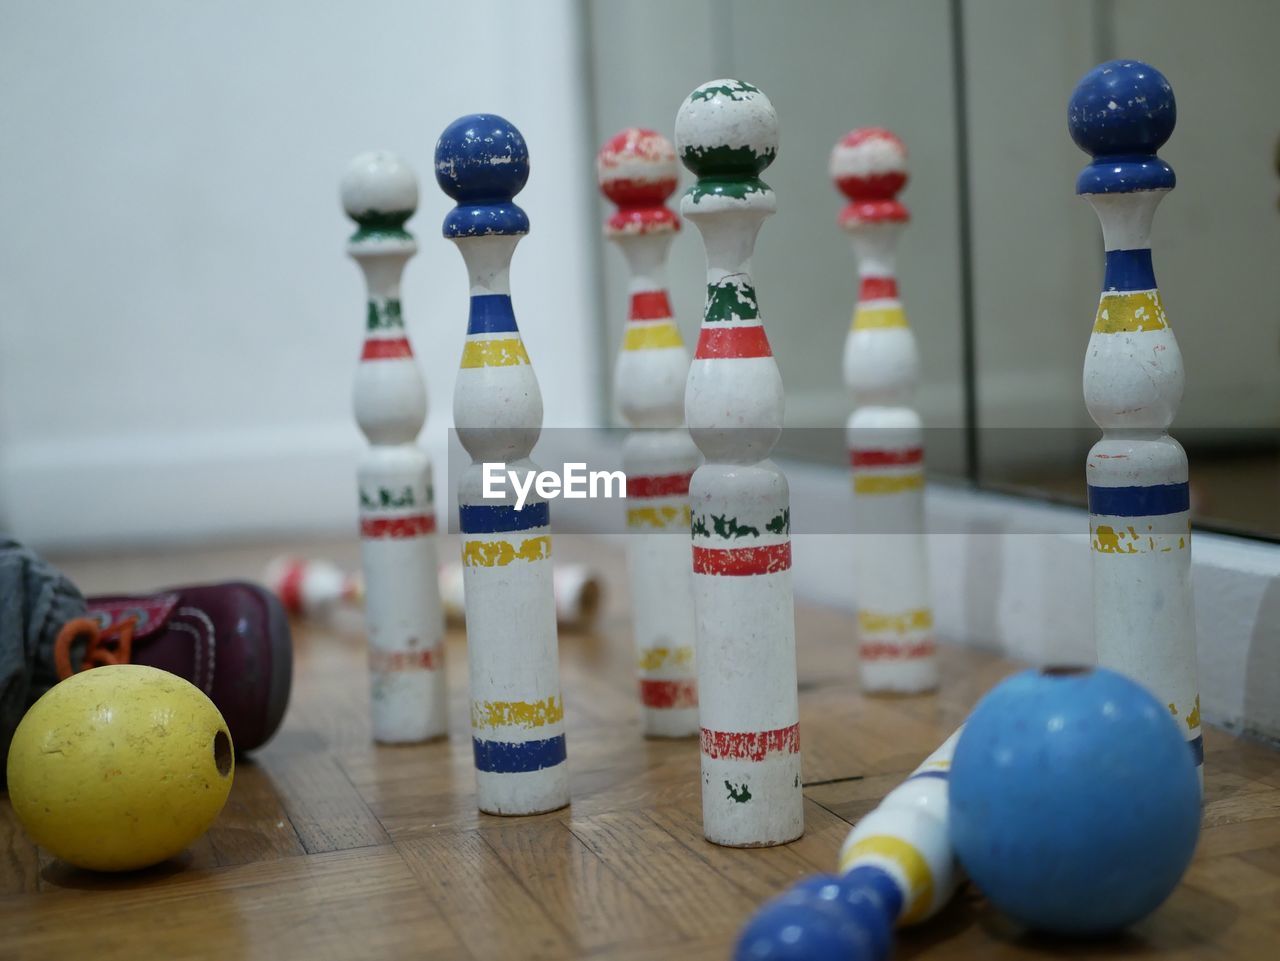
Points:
x=1140 y=501
x=942 y=775
x=1197 y=749
x=1129 y=270
x=502 y=518
x=491 y=314
x=507 y=757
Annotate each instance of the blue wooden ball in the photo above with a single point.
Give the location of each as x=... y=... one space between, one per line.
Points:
x=1121 y=113
x=482 y=162
x=803 y=925
x=1075 y=803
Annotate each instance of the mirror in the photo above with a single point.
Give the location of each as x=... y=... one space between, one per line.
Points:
x=1001 y=265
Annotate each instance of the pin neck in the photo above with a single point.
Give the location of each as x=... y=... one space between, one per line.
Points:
x=646 y=257
x=382 y=272
x=730 y=239
x=875 y=248
x=1126 y=218
x=488 y=261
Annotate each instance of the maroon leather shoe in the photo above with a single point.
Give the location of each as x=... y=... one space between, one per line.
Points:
x=230 y=640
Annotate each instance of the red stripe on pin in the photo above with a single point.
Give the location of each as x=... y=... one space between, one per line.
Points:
x=881 y=651
x=886 y=458
x=386 y=348
x=659 y=485
x=643 y=220
x=878 y=288
x=666 y=694
x=650 y=305
x=873 y=211
x=391 y=662
x=289 y=590
x=742 y=561
x=752 y=745
x=397 y=528
x=717 y=341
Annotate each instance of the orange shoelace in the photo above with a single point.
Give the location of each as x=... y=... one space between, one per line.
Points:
x=112 y=646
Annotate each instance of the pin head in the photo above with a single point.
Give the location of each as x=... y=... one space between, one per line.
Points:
x=482 y=163
x=637 y=171
x=869 y=166
x=727 y=134
x=1121 y=113
x=380 y=193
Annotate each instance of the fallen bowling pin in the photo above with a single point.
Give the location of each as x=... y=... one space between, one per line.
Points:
x=896 y=868
x=314 y=588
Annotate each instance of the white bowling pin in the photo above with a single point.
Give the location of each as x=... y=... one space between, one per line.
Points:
x=517 y=714
x=1121 y=113
x=637 y=171
x=884 y=434
x=727 y=134
x=397 y=509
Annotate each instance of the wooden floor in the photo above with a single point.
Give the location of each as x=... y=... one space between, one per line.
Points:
x=330 y=847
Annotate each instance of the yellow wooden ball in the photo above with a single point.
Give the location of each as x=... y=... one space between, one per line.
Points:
x=120 y=767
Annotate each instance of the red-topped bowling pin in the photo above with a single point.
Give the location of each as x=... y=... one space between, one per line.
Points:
x=884 y=432
x=637 y=171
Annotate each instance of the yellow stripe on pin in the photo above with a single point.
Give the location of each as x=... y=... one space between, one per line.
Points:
x=653 y=658
x=870 y=318
x=658 y=517
x=527 y=714
x=887 y=483
x=874 y=622
x=651 y=337
x=1130 y=313
x=507 y=352
x=502 y=553
x=1108 y=539
x=914 y=868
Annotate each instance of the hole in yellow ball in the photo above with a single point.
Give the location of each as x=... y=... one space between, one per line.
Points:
x=222 y=753
x=1064 y=670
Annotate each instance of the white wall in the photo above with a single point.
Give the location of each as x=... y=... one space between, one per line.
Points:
x=179 y=324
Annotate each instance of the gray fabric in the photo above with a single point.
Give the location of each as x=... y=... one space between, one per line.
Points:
x=35 y=601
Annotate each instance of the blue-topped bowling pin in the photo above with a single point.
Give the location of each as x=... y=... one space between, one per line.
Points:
x=517 y=715
x=1121 y=113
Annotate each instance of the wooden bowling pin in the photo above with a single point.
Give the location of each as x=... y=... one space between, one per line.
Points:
x=1121 y=113
x=902 y=849
x=884 y=433
x=397 y=509
x=727 y=134
x=637 y=171
x=517 y=715
x=315 y=588
x=311 y=588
